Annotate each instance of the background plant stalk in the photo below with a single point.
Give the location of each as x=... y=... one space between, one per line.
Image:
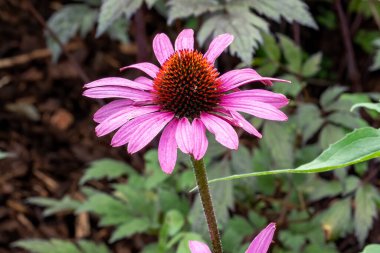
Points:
x=208 y=209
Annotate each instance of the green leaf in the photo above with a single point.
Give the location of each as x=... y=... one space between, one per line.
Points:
x=271 y=47
x=336 y=221
x=291 y=90
x=347 y=120
x=309 y=121
x=60 y=246
x=358 y=146
x=330 y=95
x=372 y=248
x=330 y=134
x=376 y=58
x=319 y=188
x=236 y=229
x=371 y=106
x=187 y=8
x=111 y=10
x=134 y=226
x=153 y=171
x=106 y=168
x=55 y=206
x=175 y=221
x=67 y=22
x=312 y=65
x=183 y=246
x=292 y=53
x=365 y=210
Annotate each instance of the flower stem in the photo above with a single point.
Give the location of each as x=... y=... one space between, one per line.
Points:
x=204 y=192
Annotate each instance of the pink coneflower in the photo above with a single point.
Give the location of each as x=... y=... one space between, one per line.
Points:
x=183 y=97
x=260 y=244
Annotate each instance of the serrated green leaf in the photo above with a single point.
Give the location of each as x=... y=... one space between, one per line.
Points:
x=106 y=168
x=271 y=47
x=119 y=30
x=371 y=106
x=336 y=221
x=358 y=146
x=292 y=53
x=330 y=95
x=372 y=248
x=54 y=206
x=112 y=10
x=134 y=226
x=318 y=189
x=330 y=134
x=365 y=210
x=312 y=65
x=290 y=10
x=187 y=8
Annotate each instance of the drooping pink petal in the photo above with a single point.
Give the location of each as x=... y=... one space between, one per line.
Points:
x=217 y=46
x=224 y=132
x=147 y=130
x=255 y=108
x=198 y=247
x=167 y=147
x=162 y=47
x=184 y=136
x=200 y=139
x=145 y=80
x=116 y=120
x=238 y=77
x=243 y=123
x=263 y=240
x=118 y=92
x=111 y=108
x=149 y=68
x=117 y=81
x=185 y=40
x=265 y=96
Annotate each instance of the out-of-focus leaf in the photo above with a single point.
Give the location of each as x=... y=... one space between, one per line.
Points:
x=372 y=248
x=153 y=170
x=106 y=168
x=330 y=95
x=66 y=22
x=309 y=121
x=371 y=106
x=133 y=226
x=330 y=134
x=365 y=210
x=292 y=53
x=119 y=30
x=60 y=246
x=312 y=65
x=183 y=246
x=236 y=229
x=336 y=221
x=55 y=206
x=347 y=120
x=291 y=240
x=271 y=47
x=319 y=188
x=376 y=59
x=111 y=10
x=314 y=248
x=358 y=146
x=290 y=90
x=187 y=8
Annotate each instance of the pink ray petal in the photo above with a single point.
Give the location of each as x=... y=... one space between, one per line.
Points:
x=145 y=80
x=185 y=40
x=118 y=92
x=238 y=77
x=255 y=108
x=111 y=108
x=217 y=46
x=117 y=81
x=263 y=240
x=224 y=132
x=246 y=125
x=184 y=136
x=198 y=247
x=162 y=47
x=149 y=68
x=121 y=117
x=200 y=139
x=147 y=130
x=275 y=99
x=167 y=147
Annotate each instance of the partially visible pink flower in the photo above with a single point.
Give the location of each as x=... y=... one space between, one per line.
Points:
x=260 y=244
x=183 y=97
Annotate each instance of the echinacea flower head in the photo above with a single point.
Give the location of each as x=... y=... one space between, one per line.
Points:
x=182 y=98
x=260 y=244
